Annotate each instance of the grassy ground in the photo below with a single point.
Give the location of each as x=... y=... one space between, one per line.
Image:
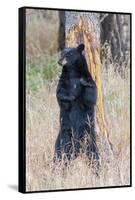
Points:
x=43 y=125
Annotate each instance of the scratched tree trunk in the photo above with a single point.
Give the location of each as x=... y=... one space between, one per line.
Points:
x=84 y=28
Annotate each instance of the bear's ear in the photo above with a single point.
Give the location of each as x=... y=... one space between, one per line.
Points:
x=80 y=48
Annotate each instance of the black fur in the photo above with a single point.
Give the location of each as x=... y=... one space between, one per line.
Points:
x=76 y=95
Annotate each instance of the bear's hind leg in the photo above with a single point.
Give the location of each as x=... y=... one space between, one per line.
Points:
x=63 y=146
x=67 y=145
x=58 y=149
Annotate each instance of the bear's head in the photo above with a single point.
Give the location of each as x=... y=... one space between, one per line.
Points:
x=71 y=56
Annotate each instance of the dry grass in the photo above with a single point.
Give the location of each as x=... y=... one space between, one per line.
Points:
x=41 y=32
x=43 y=127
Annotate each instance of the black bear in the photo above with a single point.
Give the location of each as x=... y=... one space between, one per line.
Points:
x=76 y=95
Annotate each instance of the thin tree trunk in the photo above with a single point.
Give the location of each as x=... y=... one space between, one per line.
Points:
x=61 y=34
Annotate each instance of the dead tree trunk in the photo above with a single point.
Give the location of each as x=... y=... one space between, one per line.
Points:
x=84 y=28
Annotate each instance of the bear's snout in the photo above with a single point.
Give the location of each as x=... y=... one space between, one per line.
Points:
x=62 y=61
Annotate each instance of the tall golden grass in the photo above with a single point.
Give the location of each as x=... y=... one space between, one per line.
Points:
x=42 y=123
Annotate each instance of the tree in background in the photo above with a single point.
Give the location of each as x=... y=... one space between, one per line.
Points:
x=115 y=30
x=61 y=33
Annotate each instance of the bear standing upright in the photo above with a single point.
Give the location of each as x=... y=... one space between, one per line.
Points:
x=76 y=95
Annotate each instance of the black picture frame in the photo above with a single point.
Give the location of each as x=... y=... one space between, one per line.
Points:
x=22 y=100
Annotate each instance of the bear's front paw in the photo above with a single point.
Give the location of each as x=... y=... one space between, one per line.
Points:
x=71 y=98
x=86 y=83
x=66 y=98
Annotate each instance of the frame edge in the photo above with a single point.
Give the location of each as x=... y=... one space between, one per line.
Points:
x=21 y=103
